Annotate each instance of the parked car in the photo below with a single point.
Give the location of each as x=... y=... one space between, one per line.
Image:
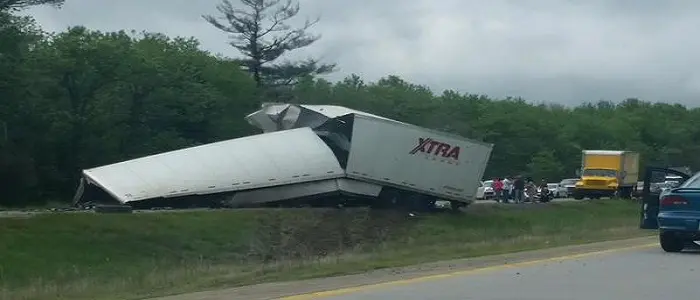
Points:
x=679 y=214
x=657 y=187
x=553 y=189
x=488 y=190
x=566 y=187
x=638 y=190
x=480 y=191
x=668 y=185
x=673 y=180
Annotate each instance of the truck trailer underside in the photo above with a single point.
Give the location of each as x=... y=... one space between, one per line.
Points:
x=301 y=159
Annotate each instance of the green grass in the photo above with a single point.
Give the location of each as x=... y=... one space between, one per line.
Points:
x=89 y=256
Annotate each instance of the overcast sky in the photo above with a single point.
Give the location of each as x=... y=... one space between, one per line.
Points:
x=564 y=51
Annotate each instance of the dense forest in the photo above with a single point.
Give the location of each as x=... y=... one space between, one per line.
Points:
x=82 y=98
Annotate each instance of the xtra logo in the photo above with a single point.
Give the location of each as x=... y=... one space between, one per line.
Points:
x=435 y=148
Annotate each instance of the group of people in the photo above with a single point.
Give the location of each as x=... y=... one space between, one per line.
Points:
x=516 y=189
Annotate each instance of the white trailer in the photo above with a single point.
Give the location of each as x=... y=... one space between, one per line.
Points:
x=306 y=155
x=408 y=161
x=415 y=159
x=249 y=165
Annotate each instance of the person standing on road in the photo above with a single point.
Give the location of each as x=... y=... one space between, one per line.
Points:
x=507 y=189
x=543 y=185
x=498 y=189
x=518 y=189
x=544 y=189
x=530 y=189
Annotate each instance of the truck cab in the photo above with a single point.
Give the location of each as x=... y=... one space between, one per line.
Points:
x=596 y=183
x=607 y=173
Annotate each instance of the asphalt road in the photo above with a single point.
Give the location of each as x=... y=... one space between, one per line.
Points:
x=641 y=272
x=627 y=269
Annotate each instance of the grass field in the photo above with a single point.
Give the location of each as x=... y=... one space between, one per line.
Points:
x=123 y=256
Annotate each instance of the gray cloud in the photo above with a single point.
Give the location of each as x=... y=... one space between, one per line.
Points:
x=564 y=51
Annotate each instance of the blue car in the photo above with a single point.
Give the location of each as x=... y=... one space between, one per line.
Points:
x=673 y=210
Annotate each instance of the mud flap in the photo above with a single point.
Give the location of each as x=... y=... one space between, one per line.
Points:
x=650 y=195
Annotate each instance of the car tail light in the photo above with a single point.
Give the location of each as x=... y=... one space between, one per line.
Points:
x=673 y=200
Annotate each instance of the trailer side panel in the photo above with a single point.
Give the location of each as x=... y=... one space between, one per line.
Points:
x=415 y=158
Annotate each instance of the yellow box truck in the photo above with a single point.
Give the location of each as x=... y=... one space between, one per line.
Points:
x=607 y=173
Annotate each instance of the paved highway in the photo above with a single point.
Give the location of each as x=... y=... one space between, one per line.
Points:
x=635 y=269
x=641 y=272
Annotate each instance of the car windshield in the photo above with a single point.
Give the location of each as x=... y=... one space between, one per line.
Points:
x=488 y=183
x=552 y=185
x=692 y=182
x=599 y=172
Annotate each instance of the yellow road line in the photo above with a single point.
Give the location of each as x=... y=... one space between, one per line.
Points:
x=349 y=290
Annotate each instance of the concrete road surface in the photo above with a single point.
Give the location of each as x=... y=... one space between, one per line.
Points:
x=632 y=269
x=640 y=273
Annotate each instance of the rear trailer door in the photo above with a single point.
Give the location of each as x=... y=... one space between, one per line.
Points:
x=630 y=168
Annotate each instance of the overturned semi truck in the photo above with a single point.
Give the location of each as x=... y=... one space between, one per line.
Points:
x=307 y=155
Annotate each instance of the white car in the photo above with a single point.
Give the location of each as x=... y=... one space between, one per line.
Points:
x=554 y=189
x=485 y=191
x=488 y=190
x=566 y=187
x=480 y=191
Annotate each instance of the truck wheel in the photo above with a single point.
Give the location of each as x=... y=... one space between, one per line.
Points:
x=671 y=243
x=578 y=196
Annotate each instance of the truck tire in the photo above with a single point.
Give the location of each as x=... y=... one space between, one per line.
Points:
x=670 y=243
x=577 y=196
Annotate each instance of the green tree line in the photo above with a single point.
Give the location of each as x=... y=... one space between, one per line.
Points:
x=83 y=98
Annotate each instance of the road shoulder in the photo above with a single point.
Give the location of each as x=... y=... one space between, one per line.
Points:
x=386 y=276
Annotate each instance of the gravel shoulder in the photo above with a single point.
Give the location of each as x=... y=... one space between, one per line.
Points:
x=27 y=213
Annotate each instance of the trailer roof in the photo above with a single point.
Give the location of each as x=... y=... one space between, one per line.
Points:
x=334 y=111
x=280 y=116
x=277 y=118
x=604 y=152
x=257 y=161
